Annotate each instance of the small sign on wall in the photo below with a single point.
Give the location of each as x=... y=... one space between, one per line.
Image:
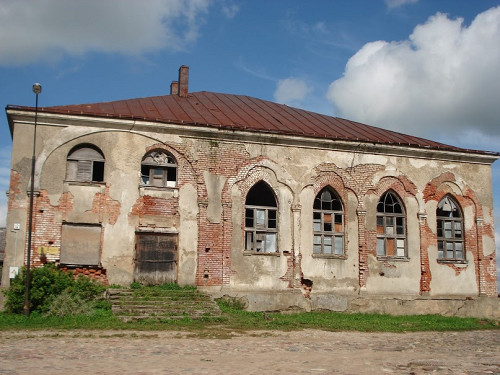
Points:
x=13 y=271
x=48 y=250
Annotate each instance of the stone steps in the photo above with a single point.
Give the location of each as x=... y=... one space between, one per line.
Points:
x=150 y=303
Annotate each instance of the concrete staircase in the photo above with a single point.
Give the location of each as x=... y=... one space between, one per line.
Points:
x=157 y=304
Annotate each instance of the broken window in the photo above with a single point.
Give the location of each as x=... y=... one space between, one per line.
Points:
x=391 y=227
x=159 y=168
x=261 y=219
x=85 y=163
x=328 y=223
x=450 y=230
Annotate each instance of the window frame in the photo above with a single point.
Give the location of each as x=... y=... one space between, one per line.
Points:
x=85 y=168
x=319 y=225
x=261 y=230
x=159 y=169
x=442 y=240
x=386 y=220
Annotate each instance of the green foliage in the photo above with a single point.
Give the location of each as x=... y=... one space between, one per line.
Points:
x=67 y=303
x=86 y=288
x=167 y=286
x=47 y=283
x=135 y=285
x=240 y=321
x=230 y=304
x=173 y=286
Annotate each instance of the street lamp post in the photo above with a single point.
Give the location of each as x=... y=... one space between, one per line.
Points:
x=37 y=89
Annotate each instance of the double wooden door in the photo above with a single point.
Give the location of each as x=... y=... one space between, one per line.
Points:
x=156 y=258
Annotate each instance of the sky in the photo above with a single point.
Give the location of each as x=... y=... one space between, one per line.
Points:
x=421 y=67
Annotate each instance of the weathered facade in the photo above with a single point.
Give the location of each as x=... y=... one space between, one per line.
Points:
x=243 y=197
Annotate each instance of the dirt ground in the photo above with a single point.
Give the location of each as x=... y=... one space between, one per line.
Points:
x=303 y=352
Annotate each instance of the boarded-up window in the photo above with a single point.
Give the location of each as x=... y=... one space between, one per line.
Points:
x=80 y=244
x=85 y=163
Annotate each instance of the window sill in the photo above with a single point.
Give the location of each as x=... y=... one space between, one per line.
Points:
x=157 y=187
x=452 y=261
x=392 y=259
x=274 y=254
x=330 y=256
x=153 y=187
x=158 y=191
x=85 y=183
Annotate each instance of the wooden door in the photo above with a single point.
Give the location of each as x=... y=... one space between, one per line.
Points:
x=155 y=258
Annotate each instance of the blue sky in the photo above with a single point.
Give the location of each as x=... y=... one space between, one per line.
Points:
x=422 y=67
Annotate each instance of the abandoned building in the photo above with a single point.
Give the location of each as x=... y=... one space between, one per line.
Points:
x=279 y=206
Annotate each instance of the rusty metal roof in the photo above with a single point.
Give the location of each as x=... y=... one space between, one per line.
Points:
x=239 y=112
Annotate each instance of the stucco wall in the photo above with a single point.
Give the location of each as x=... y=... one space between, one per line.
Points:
x=206 y=209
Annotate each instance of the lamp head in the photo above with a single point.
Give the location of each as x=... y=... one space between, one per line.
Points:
x=37 y=88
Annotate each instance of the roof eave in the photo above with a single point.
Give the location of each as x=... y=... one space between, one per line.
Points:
x=26 y=114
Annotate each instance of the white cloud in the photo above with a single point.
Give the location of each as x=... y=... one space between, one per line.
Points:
x=291 y=91
x=34 y=30
x=230 y=10
x=442 y=80
x=398 y=3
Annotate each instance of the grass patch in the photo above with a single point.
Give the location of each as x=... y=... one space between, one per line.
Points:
x=234 y=320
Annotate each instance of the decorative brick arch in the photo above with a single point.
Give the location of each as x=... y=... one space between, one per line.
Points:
x=405 y=189
x=485 y=266
x=186 y=173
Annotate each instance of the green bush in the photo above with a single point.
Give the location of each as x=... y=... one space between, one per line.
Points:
x=87 y=288
x=66 y=304
x=46 y=283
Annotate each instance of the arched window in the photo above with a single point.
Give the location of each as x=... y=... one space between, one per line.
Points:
x=261 y=219
x=85 y=163
x=328 y=223
x=450 y=233
x=391 y=227
x=159 y=168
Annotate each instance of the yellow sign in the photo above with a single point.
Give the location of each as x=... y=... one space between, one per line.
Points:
x=48 y=250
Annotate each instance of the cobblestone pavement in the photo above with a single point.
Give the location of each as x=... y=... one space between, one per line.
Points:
x=303 y=352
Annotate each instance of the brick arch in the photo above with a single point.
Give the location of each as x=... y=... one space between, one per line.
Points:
x=401 y=185
x=262 y=169
x=435 y=190
x=404 y=189
x=181 y=160
x=357 y=179
x=255 y=175
x=332 y=180
x=439 y=186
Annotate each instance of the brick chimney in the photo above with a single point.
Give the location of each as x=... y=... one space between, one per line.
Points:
x=174 y=88
x=183 y=81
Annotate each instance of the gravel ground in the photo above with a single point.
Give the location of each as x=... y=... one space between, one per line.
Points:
x=301 y=352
